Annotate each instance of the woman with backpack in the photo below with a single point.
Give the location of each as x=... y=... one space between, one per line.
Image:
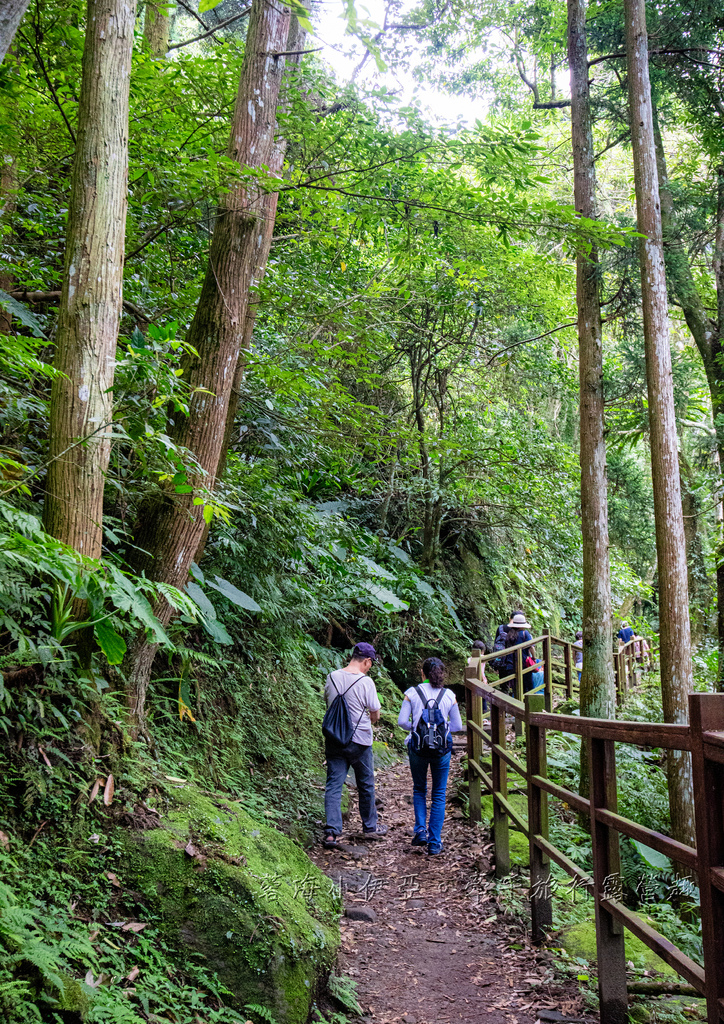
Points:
x=518 y=633
x=430 y=714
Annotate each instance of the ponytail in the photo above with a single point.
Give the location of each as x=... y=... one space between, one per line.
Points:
x=434 y=671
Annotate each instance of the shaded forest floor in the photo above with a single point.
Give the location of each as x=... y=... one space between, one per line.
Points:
x=432 y=944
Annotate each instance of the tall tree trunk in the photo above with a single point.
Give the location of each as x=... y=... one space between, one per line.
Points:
x=92 y=292
x=11 y=14
x=676 y=671
x=699 y=590
x=719 y=337
x=708 y=333
x=156 y=26
x=267 y=218
x=598 y=689
x=170 y=526
x=7 y=199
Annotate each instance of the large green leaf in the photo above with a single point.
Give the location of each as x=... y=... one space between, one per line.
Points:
x=652 y=857
x=423 y=587
x=21 y=313
x=374 y=568
x=450 y=605
x=199 y=597
x=238 y=597
x=217 y=631
x=128 y=597
x=385 y=598
x=110 y=642
x=208 y=5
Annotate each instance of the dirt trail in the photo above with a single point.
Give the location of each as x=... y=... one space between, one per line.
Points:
x=438 y=949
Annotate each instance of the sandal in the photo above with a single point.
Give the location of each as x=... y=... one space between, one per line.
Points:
x=330 y=841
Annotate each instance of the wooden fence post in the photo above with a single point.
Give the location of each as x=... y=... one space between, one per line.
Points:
x=568 y=670
x=474 y=706
x=620 y=677
x=518 y=688
x=706 y=714
x=500 y=785
x=547 y=670
x=541 y=906
x=612 y=994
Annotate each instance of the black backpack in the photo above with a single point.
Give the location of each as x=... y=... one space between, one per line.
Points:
x=336 y=724
x=499 y=645
x=431 y=735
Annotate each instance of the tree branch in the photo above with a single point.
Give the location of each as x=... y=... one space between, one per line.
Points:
x=622 y=53
x=295 y=53
x=34 y=297
x=192 y=12
x=211 y=31
x=561 y=327
x=38 y=57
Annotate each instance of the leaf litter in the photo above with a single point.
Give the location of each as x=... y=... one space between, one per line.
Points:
x=439 y=951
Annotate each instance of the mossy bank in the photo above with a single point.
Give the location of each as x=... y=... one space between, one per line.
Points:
x=241 y=895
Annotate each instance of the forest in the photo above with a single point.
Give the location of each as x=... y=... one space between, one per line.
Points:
x=320 y=326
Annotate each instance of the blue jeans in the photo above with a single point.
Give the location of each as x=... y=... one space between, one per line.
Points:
x=339 y=761
x=439 y=765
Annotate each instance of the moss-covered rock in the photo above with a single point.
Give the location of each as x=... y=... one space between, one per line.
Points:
x=244 y=896
x=580 y=940
x=519 y=848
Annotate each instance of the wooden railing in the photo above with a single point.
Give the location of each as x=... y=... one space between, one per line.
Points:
x=703 y=737
x=558 y=662
x=628 y=660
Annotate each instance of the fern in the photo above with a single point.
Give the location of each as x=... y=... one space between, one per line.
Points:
x=262 y=1012
x=48 y=960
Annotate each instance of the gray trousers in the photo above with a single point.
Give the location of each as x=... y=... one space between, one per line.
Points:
x=339 y=761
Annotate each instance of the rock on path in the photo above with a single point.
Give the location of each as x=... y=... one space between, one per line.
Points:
x=426 y=939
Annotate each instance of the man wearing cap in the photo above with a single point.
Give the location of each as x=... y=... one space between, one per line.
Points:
x=364 y=708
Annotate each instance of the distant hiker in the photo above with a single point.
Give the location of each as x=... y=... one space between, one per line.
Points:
x=537 y=678
x=501 y=635
x=578 y=652
x=480 y=645
x=642 y=651
x=625 y=633
x=352 y=707
x=430 y=714
x=518 y=633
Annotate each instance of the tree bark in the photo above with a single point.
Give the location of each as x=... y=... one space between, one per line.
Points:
x=11 y=14
x=7 y=198
x=156 y=26
x=598 y=689
x=92 y=292
x=267 y=216
x=676 y=670
x=707 y=333
x=170 y=526
x=699 y=590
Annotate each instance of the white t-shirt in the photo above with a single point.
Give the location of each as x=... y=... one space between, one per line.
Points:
x=448 y=707
x=361 y=697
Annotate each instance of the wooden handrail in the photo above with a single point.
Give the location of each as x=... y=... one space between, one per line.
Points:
x=704 y=737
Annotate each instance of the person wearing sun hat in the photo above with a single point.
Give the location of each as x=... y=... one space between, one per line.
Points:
x=518 y=633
